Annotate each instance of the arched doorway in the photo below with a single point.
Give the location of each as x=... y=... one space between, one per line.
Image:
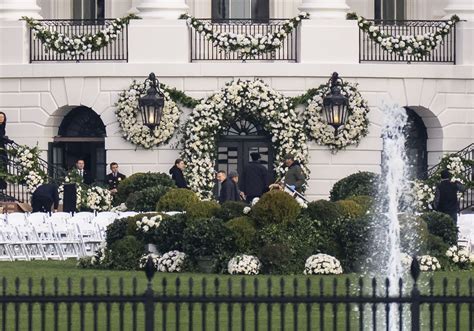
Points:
x=237 y=141
x=80 y=136
x=416 y=144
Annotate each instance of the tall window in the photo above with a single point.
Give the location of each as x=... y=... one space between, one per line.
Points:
x=255 y=10
x=88 y=9
x=389 y=9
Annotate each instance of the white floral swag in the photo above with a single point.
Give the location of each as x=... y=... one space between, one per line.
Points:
x=240 y=99
x=133 y=129
x=355 y=128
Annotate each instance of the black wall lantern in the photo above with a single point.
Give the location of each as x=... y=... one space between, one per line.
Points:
x=335 y=104
x=151 y=105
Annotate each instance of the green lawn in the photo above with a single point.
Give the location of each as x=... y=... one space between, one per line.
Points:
x=236 y=315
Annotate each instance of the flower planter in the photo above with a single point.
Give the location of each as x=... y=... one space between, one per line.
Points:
x=205 y=264
x=151 y=248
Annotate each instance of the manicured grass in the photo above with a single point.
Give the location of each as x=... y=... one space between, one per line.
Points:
x=236 y=315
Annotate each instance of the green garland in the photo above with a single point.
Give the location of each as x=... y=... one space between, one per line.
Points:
x=411 y=45
x=77 y=44
x=180 y=97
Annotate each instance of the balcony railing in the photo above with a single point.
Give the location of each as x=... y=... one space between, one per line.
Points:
x=203 y=49
x=117 y=50
x=371 y=51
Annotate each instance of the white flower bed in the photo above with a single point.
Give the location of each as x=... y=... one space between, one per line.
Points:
x=240 y=98
x=98 y=198
x=351 y=133
x=460 y=257
x=144 y=259
x=172 y=261
x=133 y=129
x=429 y=263
x=322 y=264
x=244 y=265
x=149 y=224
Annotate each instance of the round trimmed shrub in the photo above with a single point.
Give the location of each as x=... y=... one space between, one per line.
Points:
x=275 y=207
x=413 y=233
x=202 y=209
x=230 y=210
x=141 y=181
x=125 y=254
x=435 y=246
x=275 y=258
x=177 y=199
x=244 y=231
x=325 y=211
x=365 y=201
x=145 y=200
x=360 y=183
x=350 y=208
x=169 y=235
x=441 y=225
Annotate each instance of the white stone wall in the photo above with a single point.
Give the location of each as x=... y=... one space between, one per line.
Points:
x=36 y=98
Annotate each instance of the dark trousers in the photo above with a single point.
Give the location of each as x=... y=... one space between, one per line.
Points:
x=41 y=204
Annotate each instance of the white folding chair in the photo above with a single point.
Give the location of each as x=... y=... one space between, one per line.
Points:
x=67 y=238
x=15 y=245
x=63 y=216
x=27 y=235
x=16 y=219
x=36 y=218
x=47 y=239
x=85 y=215
x=103 y=220
x=5 y=254
x=90 y=237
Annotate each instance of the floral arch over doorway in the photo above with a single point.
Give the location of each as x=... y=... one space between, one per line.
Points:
x=253 y=99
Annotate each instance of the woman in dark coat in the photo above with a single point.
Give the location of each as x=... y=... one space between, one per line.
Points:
x=177 y=175
x=3 y=153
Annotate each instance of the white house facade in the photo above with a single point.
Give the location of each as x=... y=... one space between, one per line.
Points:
x=54 y=103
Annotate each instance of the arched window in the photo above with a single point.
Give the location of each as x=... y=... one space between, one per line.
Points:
x=416 y=144
x=82 y=122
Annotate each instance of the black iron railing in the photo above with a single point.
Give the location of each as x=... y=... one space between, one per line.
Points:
x=203 y=49
x=256 y=303
x=116 y=50
x=371 y=51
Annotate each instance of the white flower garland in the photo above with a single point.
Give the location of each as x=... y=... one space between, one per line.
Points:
x=99 y=199
x=247 y=45
x=424 y=195
x=418 y=46
x=351 y=133
x=244 y=265
x=322 y=264
x=27 y=159
x=76 y=45
x=248 y=98
x=133 y=130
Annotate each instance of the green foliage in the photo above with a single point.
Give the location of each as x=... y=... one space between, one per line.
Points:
x=325 y=211
x=230 y=210
x=146 y=200
x=435 y=246
x=207 y=237
x=441 y=225
x=202 y=209
x=180 y=97
x=350 y=208
x=177 y=199
x=124 y=227
x=169 y=235
x=141 y=181
x=305 y=239
x=125 y=253
x=275 y=207
x=413 y=234
x=365 y=201
x=84 y=262
x=360 y=183
x=275 y=258
x=244 y=231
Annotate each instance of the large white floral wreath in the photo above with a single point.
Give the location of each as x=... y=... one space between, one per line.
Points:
x=247 y=45
x=252 y=99
x=351 y=133
x=133 y=129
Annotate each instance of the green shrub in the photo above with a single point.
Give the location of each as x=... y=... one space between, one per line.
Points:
x=365 y=201
x=305 y=239
x=275 y=258
x=324 y=211
x=436 y=246
x=141 y=181
x=202 y=209
x=125 y=253
x=230 y=210
x=441 y=225
x=275 y=207
x=244 y=231
x=350 y=208
x=207 y=237
x=177 y=199
x=124 y=227
x=169 y=235
x=146 y=200
x=360 y=183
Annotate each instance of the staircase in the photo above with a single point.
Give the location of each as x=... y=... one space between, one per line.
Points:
x=467 y=200
x=18 y=191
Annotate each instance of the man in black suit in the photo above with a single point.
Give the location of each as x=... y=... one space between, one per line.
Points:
x=446 y=196
x=254 y=178
x=114 y=178
x=86 y=177
x=44 y=197
x=229 y=190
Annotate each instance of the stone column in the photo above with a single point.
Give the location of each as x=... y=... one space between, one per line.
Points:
x=164 y=9
x=325 y=8
x=12 y=10
x=463 y=8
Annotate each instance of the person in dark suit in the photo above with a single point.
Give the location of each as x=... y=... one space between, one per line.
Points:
x=114 y=178
x=86 y=177
x=254 y=178
x=45 y=196
x=446 y=196
x=177 y=175
x=3 y=153
x=229 y=190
